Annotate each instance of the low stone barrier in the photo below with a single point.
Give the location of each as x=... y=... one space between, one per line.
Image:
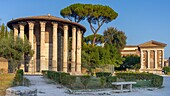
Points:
x=21 y=91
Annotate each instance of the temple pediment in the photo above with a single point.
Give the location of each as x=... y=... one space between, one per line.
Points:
x=152 y=43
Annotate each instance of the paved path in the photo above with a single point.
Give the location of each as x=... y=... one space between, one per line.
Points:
x=46 y=87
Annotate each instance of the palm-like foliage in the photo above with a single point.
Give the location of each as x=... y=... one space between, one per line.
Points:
x=115 y=37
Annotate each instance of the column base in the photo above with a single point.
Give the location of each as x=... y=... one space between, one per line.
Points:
x=65 y=67
x=54 y=65
x=78 y=69
x=43 y=64
x=78 y=73
x=73 y=70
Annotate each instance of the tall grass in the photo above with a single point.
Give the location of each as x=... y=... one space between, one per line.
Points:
x=6 y=81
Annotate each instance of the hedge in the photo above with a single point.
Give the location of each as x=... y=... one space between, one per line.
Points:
x=156 y=80
x=18 y=79
x=59 y=77
x=166 y=70
x=105 y=80
x=84 y=80
x=103 y=74
x=66 y=79
x=110 y=79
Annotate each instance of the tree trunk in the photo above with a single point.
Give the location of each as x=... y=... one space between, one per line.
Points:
x=94 y=40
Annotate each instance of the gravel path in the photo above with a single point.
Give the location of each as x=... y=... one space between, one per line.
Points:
x=46 y=87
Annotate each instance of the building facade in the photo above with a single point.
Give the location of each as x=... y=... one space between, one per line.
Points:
x=151 y=55
x=130 y=50
x=56 y=43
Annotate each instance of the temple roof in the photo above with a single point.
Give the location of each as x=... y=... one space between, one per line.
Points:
x=152 y=43
x=44 y=18
x=131 y=46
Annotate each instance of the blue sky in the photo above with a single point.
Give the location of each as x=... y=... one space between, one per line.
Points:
x=141 y=20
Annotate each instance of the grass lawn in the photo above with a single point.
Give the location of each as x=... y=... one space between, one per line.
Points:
x=5 y=82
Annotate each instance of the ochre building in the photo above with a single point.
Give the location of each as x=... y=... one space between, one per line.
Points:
x=56 y=43
x=151 y=55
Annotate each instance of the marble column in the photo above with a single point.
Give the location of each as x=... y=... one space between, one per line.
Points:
x=156 y=65
x=73 y=51
x=43 y=64
x=54 y=59
x=22 y=26
x=15 y=28
x=141 y=58
x=162 y=58
x=31 y=36
x=79 y=35
x=65 y=48
x=148 y=59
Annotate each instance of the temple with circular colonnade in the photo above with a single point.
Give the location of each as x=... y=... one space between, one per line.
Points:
x=56 y=43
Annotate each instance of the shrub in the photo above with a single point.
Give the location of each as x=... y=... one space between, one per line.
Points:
x=84 y=80
x=103 y=74
x=130 y=76
x=62 y=78
x=18 y=79
x=71 y=80
x=156 y=80
x=110 y=79
x=166 y=69
x=20 y=71
x=59 y=77
x=103 y=81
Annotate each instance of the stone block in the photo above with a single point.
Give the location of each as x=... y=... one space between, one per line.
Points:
x=21 y=91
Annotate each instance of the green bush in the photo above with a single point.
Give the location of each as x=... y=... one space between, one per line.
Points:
x=103 y=81
x=110 y=79
x=166 y=69
x=84 y=80
x=20 y=71
x=156 y=80
x=59 y=77
x=63 y=78
x=50 y=74
x=143 y=83
x=130 y=76
x=70 y=80
x=103 y=74
x=18 y=79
